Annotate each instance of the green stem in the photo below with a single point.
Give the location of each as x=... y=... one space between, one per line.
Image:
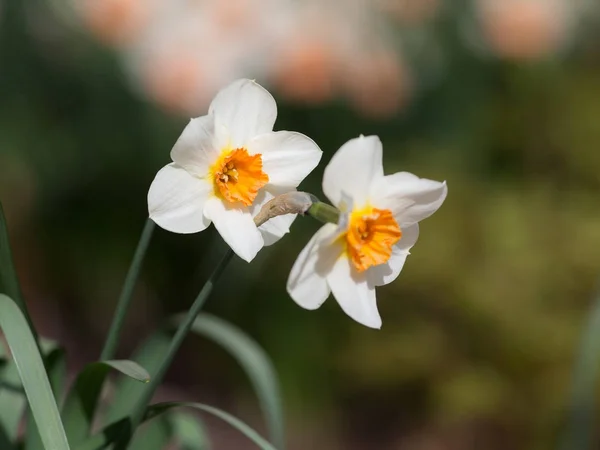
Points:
x=112 y=340
x=579 y=431
x=184 y=328
x=324 y=213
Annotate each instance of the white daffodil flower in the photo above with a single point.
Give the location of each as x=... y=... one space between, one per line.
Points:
x=229 y=163
x=378 y=225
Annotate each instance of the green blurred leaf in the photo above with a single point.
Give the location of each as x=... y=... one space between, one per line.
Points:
x=6 y=443
x=33 y=374
x=113 y=431
x=152 y=436
x=128 y=392
x=79 y=407
x=160 y=408
x=255 y=363
x=9 y=282
x=188 y=431
x=244 y=349
x=106 y=436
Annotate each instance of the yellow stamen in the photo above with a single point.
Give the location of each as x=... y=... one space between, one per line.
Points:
x=238 y=176
x=371 y=234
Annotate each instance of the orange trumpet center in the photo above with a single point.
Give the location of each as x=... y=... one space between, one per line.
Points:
x=371 y=234
x=238 y=176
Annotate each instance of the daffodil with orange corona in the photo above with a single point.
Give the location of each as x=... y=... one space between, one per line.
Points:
x=229 y=163
x=378 y=225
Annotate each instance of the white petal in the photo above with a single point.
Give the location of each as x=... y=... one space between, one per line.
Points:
x=353 y=293
x=352 y=170
x=274 y=229
x=176 y=200
x=245 y=109
x=409 y=197
x=307 y=283
x=195 y=149
x=277 y=227
x=388 y=272
x=236 y=227
x=287 y=157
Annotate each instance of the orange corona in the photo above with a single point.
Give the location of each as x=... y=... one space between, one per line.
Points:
x=371 y=234
x=238 y=176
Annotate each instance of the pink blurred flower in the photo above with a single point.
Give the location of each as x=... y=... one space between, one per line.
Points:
x=116 y=22
x=378 y=83
x=307 y=62
x=524 y=29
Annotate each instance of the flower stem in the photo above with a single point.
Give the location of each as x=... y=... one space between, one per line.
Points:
x=324 y=213
x=180 y=334
x=580 y=425
x=112 y=340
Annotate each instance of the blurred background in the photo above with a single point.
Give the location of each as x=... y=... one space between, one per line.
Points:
x=500 y=98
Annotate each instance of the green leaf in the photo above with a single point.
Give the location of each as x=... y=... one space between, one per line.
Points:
x=246 y=351
x=33 y=374
x=152 y=436
x=12 y=399
x=128 y=392
x=56 y=366
x=78 y=410
x=106 y=436
x=113 y=431
x=9 y=282
x=160 y=408
x=255 y=363
x=6 y=443
x=188 y=431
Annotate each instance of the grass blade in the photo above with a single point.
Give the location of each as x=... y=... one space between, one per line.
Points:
x=113 y=432
x=128 y=392
x=78 y=410
x=255 y=363
x=188 y=431
x=55 y=363
x=160 y=408
x=153 y=436
x=106 y=436
x=33 y=375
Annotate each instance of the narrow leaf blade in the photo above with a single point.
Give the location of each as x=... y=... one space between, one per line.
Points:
x=112 y=432
x=55 y=363
x=255 y=363
x=33 y=374
x=79 y=407
x=128 y=392
x=160 y=408
x=188 y=431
